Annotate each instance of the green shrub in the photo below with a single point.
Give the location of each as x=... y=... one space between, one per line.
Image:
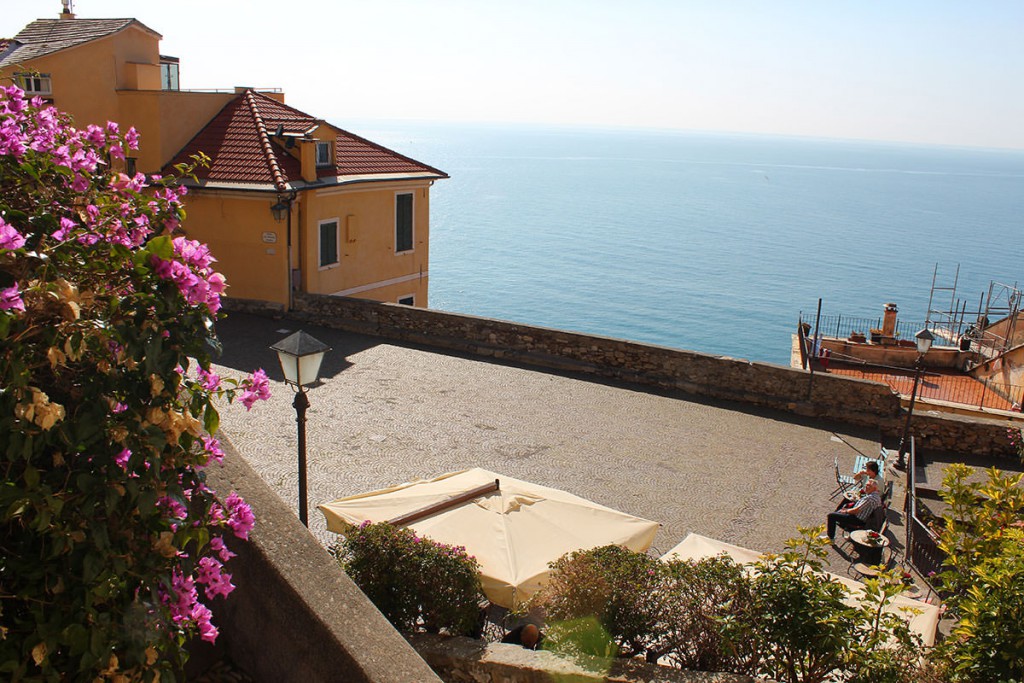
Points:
x=785 y=619
x=804 y=632
x=983 y=577
x=416 y=583
x=707 y=594
x=622 y=589
x=797 y=618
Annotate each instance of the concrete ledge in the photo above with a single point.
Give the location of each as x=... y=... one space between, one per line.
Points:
x=295 y=616
x=464 y=660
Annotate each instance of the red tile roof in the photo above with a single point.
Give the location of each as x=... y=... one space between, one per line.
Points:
x=243 y=144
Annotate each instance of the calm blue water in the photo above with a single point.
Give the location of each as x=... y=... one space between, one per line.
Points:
x=703 y=241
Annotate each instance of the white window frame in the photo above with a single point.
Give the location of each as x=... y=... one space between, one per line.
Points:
x=328 y=159
x=412 y=222
x=410 y=297
x=320 y=245
x=170 y=74
x=35 y=84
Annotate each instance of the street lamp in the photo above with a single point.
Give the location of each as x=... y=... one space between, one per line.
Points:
x=300 y=355
x=924 y=340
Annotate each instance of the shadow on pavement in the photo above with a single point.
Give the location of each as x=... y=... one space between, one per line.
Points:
x=247 y=339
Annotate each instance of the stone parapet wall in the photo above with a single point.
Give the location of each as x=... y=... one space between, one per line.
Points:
x=464 y=660
x=252 y=306
x=295 y=616
x=844 y=399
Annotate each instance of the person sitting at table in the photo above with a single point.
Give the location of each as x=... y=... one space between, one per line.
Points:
x=870 y=471
x=853 y=516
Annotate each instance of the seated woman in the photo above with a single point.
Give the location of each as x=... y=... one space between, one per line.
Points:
x=870 y=471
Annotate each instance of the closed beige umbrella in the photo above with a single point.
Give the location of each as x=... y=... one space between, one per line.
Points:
x=514 y=532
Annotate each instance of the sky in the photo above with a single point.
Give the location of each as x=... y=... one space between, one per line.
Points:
x=923 y=71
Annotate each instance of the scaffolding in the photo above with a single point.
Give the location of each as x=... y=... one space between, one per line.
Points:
x=990 y=330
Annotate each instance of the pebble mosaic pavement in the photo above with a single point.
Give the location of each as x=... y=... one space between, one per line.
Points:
x=387 y=413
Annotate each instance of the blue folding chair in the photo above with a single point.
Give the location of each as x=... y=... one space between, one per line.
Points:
x=843 y=481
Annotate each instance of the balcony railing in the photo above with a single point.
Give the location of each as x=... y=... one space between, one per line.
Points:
x=843 y=326
x=967 y=391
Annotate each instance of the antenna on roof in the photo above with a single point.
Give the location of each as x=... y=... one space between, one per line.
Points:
x=67 y=6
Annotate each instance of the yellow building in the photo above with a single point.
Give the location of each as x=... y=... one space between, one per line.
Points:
x=288 y=202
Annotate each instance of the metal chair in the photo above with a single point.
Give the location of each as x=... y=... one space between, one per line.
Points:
x=887 y=496
x=843 y=481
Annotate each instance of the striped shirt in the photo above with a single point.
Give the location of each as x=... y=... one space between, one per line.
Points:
x=865 y=506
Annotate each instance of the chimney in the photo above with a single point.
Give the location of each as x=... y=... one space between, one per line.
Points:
x=889 y=321
x=67 y=13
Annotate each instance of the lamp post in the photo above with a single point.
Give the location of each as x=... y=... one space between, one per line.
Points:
x=300 y=355
x=924 y=340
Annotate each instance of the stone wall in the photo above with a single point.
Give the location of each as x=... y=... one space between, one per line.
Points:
x=853 y=401
x=464 y=660
x=295 y=616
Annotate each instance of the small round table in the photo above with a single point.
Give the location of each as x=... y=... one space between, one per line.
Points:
x=913 y=591
x=869 y=548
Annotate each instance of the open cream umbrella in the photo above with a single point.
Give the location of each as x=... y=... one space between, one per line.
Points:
x=514 y=530
x=923 y=620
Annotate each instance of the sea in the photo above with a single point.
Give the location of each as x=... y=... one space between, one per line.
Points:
x=703 y=241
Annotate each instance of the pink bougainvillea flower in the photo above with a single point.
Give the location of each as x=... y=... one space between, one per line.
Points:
x=256 y=388
x=211 y=573
x=240 y=517
x=209 y=380
x=132 y=138
x=10 y=238
x=122 y=458
x=66 y=226
x=218 y=546
x=10 y=299
x=212 y=446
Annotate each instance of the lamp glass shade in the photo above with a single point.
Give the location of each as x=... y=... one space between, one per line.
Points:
x=300 y=356
x=280 y=211
x=924 y=340
x=309 y=368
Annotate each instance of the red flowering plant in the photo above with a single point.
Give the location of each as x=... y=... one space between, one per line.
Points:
x=111 y=544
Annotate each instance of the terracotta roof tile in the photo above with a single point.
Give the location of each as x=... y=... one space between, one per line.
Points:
x=243 y=147
x=45 y=36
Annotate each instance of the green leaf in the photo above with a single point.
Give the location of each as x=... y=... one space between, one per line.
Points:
x=91 y=567
x=211 y=419
x=31 y=477
x=161 y=247
x=77 y=637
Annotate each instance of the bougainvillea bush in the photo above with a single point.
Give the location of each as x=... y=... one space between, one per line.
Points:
x=111 y=545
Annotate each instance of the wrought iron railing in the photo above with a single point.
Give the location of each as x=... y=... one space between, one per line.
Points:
x=922 y=548
x=843 y=326
x=967 y=391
